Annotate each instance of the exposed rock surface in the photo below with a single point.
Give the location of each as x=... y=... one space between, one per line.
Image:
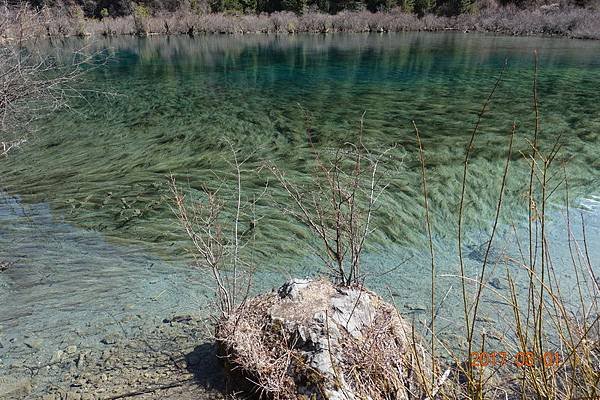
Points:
x=312 y=339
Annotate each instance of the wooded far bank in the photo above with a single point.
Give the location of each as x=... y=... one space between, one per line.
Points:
x=26 y=21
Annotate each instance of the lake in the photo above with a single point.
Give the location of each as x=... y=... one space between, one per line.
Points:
x=85 y=211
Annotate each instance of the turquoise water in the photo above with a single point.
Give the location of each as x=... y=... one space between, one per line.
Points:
x=86 y=211
x=176 y=99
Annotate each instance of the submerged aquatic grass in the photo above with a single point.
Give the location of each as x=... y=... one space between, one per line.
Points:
x=184 y=103
x=182 y=100
x=106 y=168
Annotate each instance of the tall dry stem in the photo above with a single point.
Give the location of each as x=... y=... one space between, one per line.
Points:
x=431 y=251
x=212 y=223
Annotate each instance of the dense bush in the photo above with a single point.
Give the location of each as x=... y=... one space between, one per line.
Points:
x=118 y=8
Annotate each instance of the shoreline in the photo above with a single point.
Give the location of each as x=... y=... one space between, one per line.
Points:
x=573 y=23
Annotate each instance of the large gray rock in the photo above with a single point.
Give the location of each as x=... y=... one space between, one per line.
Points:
x=315 y=339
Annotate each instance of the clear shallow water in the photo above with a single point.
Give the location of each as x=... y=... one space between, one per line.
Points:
x=91 y=231
x=178 y=97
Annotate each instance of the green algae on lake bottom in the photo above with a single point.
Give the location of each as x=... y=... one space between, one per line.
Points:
x=105 y=167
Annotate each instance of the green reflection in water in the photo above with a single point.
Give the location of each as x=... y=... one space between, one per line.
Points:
x=105 y=168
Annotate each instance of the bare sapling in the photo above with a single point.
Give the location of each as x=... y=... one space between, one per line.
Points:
x=338 y=202
x=212 y=221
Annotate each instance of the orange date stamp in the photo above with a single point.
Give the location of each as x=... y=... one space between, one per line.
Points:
x=521 y=359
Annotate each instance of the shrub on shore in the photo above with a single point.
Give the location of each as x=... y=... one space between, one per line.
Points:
x=56 y=22
x=313 y=339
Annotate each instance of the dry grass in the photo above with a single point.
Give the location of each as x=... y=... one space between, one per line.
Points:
x=557 y=338
x=377 y=365
x=261 y=346
x=254 y=354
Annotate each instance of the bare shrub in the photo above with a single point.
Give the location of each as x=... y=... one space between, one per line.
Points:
x=587 y=28
x=212 y=222
x=183 y=23
x=157 y=25
x=257 y=24
x=433 y=23
x=282 y=20
x=69 y=21
x=337 y=203
x=17 y=25
x=119 y=26
x=32 y=84
x=219 y=23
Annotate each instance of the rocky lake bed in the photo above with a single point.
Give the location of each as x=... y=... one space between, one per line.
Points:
x=169 y=358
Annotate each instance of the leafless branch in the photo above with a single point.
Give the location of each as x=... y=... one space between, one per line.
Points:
x=33 y=83
x=338 y=202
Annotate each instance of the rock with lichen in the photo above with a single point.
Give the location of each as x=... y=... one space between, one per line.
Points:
x=313 y=339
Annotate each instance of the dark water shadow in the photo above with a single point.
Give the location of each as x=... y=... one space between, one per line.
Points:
x=206 y=367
